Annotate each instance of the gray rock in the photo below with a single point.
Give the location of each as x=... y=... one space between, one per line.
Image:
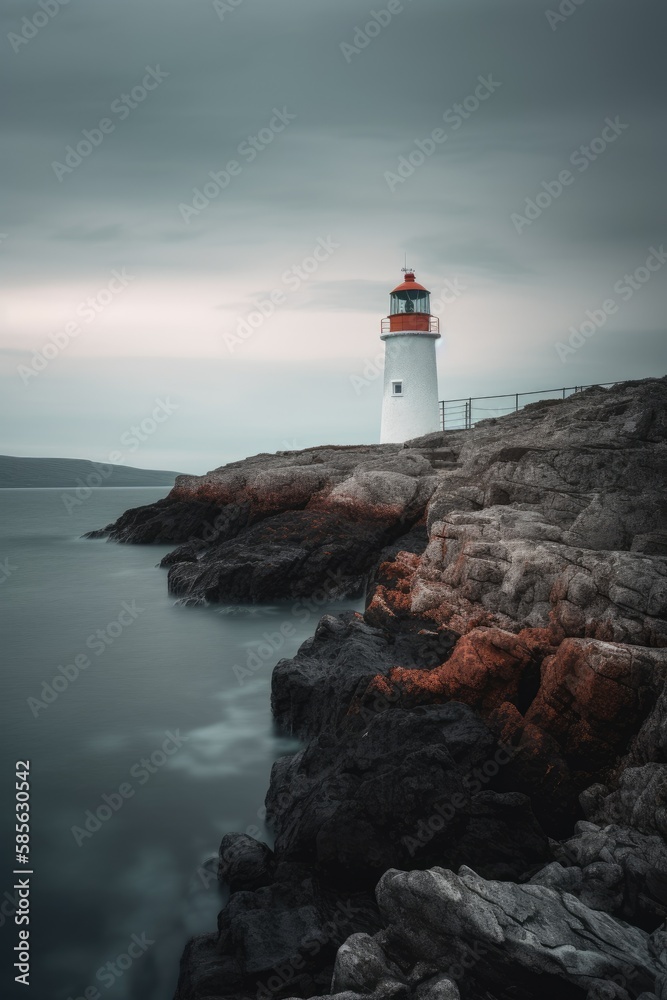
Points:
x=617 y=869
x=638 y=801
x=438 y=988
x=521 y=929
x=607 y=990
x=244 y=863
x=556 y=514
x=361 y=965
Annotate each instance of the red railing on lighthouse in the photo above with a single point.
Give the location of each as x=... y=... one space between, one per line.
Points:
x=410 y=322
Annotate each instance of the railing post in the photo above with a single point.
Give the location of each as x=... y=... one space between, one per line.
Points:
x=516 y=406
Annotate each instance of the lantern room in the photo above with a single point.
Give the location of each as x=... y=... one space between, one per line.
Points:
x=410 y=308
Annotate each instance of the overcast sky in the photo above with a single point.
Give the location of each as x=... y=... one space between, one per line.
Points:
x=174 y=279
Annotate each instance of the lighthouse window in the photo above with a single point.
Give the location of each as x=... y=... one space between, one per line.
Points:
x=410 y=301
x=397 y=388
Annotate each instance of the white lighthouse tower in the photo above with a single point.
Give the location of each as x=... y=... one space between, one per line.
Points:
x=410 y=402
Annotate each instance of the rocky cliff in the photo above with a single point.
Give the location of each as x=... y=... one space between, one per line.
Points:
x=479 y=809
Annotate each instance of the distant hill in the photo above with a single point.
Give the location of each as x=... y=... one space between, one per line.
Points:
x=41 y=473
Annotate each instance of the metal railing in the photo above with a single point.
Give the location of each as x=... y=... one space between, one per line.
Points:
x=464 y=413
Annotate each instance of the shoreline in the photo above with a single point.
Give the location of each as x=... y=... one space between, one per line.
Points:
x=486 y=741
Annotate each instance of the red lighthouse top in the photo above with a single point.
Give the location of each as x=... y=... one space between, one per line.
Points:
x=410 y=309
x=411 y=283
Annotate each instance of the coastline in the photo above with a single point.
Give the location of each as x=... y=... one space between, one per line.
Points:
x=485 y=747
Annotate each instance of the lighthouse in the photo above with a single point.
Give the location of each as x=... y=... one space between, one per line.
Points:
x=410 y=401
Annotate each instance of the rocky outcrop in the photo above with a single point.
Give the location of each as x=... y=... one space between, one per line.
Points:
x=479 y=809
x=279 y=526
x=532 y=937
x=444 y=930
x=593 y=697
x=317 y=690
x=413 y=787
x=613 y=868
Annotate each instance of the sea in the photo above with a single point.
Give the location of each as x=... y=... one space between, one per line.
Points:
x=143 y=728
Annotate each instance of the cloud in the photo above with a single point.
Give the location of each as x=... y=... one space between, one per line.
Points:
x=323 y=175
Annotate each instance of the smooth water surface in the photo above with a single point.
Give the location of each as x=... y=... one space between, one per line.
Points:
x=160 y=744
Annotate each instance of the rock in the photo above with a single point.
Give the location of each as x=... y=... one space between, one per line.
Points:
x=204 y=970
x=293 y=554
x=607 y=990
x=506 y=678
x=650 y=743
x=408 y=790
x=289 y=931
x=516 y=566
x=390 y=605
x=519 y=931
x=317 y=689
x=593 y=696
x=555 y=516
x=361 y=966
x=278 y=526
x=486 y=668
x=173 y=520
x=244 y=863
x=537 y=769
x=438 y=988
x=639 y=800
x=621 y=871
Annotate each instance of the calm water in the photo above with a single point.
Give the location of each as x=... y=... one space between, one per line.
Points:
x=155 y=669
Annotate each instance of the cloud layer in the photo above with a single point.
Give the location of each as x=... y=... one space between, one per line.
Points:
x=357 y=130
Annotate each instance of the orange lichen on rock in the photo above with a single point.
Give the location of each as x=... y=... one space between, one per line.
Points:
x=446 y=606
x=593 y=695
x=488 y=666
x=392 y=597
